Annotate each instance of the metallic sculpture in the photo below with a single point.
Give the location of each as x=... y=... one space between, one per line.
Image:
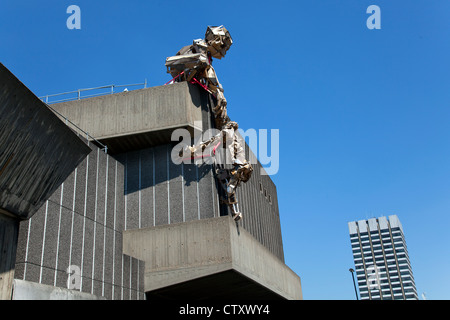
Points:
x=193 y=63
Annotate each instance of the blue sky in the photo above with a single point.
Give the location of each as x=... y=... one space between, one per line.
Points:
x=363 y=114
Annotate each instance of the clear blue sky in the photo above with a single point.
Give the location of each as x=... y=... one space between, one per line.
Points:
x=363 y=114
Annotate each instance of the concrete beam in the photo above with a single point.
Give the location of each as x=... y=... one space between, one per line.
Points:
x=136 y=119
x=37 y=150
x=37 y=153
x=179 y=253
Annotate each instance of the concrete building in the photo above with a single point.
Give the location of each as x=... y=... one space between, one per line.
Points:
x=382 y=264
x=37 y=153
x=130 y=224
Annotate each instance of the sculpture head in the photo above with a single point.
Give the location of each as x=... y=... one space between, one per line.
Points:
x=218 y=40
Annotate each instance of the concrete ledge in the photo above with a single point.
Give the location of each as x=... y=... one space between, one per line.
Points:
x=125 y=121
x=26 y=290
x=181 y=253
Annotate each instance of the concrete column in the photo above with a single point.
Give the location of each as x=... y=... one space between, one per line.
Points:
x=9 y=230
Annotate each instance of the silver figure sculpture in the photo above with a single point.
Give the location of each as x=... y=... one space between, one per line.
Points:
x=193 y=63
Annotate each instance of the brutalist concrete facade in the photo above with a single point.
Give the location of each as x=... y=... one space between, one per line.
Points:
x=163 y=193
x=37 y=153
x=136 y=187
x=81 y=226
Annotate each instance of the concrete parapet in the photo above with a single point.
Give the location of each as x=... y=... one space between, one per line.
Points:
x=136 y=119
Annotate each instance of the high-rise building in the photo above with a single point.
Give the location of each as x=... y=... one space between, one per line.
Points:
x=382 y=264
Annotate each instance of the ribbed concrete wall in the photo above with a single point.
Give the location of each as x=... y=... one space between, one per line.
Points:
x=81 y=224
x=259 y=203
x=161 y=192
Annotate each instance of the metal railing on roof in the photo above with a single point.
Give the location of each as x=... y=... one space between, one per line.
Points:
x=79 y=94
